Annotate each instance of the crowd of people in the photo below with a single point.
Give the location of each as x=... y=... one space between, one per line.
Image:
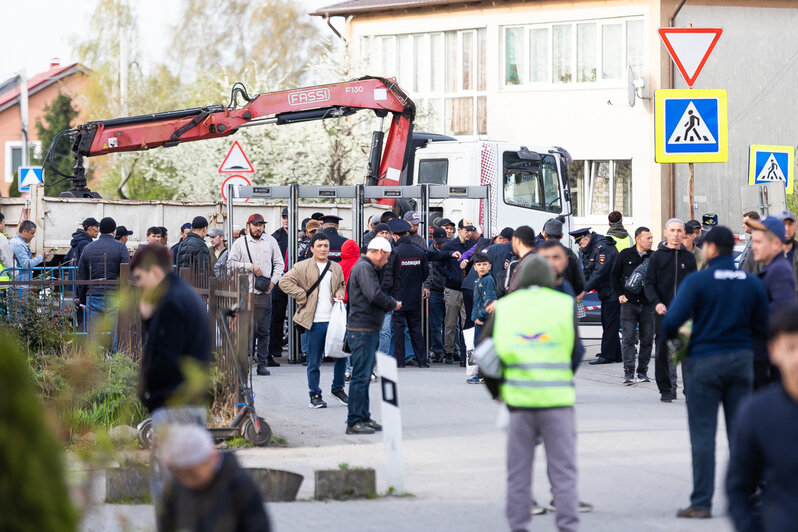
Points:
x=515 y=298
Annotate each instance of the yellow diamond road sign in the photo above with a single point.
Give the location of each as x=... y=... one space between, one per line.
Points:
x=691 y=125
x=772 y=164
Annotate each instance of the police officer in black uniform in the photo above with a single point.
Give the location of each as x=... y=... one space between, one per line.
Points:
x=279 y=299
x=330 y=228
x=598 y=253
x=413 y=271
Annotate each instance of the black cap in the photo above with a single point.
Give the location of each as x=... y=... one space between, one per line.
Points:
x=444 y=221
x=330 y=219
x=285 y=212
x=691 y=225
x=317 y=215
x=199 y=222
x=466 y=224
x=381 y=227
x=507 y=233
x=722 y=237
x=439 y=235
x=121 y=231
x=305 y=222
x=709 y=218
x=90 y=222
x=107 y=225
x=579 y=233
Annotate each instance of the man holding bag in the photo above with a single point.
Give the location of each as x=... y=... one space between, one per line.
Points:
x=316 y=284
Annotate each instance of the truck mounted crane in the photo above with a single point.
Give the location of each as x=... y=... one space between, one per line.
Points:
x=170 y=128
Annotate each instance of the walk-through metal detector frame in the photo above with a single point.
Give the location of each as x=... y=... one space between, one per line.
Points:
x=360 y=194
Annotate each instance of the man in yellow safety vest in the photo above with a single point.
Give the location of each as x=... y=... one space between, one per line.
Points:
x=529 y=353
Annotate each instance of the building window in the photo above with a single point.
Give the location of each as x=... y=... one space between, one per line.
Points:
x=444 y=72
x=584 y=52
x=600 y=187
x=13 y=156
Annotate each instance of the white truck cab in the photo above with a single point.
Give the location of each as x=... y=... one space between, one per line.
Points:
x=529 y=184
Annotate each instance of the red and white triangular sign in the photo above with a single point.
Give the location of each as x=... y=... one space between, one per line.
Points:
x=690 y=48
x=236 y=161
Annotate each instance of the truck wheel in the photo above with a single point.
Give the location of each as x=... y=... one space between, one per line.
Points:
x=252 y=436
x=146 y=433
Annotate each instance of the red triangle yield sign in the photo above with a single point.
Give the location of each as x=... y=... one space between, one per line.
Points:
x=690 y=48
x=236 y=161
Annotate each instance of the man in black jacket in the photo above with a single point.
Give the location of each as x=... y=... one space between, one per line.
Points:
x=598 y=253
x=433 y=289
x=185 y=229
x=100 y=261
x=80 y=239
x=552 y=230
x=367 y=307
x=279 y=299
x=193 y=252
x=453 y=295
x=413 y=270
x=330 y=227
x=668 y=267
x=636 y=312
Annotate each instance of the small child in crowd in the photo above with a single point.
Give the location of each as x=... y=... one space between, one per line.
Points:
x=484 y=293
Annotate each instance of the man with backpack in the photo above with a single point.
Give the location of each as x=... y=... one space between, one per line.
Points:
x=637 y=314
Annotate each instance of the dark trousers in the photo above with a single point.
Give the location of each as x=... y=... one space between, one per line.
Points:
x=610 y=324
x=723 y=378
x=634 y=317
x=364 y=347
x=437 y=311
x=263 y=324
x=279 y=306
x=468 y=303
x=413 y=320
x=664 y=368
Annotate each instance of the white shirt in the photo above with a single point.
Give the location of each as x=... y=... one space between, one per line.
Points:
x=265 y=253
x=325 y=303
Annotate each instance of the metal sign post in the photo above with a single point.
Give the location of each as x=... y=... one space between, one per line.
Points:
x=391 y=422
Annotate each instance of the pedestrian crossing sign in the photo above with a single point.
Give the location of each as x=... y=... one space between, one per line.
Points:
x=772 y=164
x=691 y=126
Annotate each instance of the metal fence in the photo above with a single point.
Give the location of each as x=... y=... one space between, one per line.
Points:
x=52 y=292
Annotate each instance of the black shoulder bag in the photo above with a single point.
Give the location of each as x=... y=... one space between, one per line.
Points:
x=309 y=291
x=261 y=281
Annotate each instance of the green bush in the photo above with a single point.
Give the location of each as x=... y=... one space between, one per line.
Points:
x=33 y=493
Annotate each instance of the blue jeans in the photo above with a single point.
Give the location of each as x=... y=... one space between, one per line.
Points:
x=303 y=342
x=102 y=318
x=386 y=335
x=316 y=336
x=364 y=346
x=725 y=378
x=437 y=310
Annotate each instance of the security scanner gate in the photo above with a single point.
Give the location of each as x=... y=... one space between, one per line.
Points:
x=360 y=195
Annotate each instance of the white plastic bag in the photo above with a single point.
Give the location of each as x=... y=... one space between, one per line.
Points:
x=336 y=330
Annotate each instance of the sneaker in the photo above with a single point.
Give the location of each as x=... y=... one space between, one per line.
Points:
x=271 y=363
x=475 y=380
x=263 y=370
x=359 y=428
x=642 y=377
x=537 y=509
x=694 y=513
x=628 y=377
x=347 y=376
x=583 y=508
x=666 y=398
x=316 y=402
x=449 y=359
x=376 y=427
x=341 y=396
x=435 y=359
x=374 y=377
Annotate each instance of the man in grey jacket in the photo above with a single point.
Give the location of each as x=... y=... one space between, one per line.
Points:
x=367 y=307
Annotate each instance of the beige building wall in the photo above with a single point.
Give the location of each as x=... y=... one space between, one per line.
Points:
x=592 y=123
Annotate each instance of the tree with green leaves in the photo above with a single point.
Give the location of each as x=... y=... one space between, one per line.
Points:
x=58 y=116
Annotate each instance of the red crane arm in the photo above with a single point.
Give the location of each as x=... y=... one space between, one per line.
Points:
x=170 y=128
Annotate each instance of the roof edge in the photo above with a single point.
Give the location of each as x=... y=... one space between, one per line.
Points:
x=332 y=11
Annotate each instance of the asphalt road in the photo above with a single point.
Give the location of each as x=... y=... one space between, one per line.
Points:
x=634 y=457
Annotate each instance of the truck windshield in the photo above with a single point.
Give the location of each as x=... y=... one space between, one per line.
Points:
x=433 y=171
x=531 y=184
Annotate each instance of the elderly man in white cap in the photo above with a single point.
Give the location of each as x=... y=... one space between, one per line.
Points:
x=367 y=307
x=209 y=490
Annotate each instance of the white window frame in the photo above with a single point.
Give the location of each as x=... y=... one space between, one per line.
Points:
x=526 y=80
x=589 y=184
x=10 y=145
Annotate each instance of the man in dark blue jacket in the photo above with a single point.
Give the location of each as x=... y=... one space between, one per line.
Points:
x=100 y=261
x=330 y=227
x=80 y=239
x=453 y=295
x=598 y=254
x=767 y=247
x=413 y=270
x=193 y=253
x=729 y=309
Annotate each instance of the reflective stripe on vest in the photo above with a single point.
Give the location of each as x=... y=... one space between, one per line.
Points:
x=534 y=337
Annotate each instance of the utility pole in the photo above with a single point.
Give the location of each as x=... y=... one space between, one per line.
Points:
x=123 y=72
x=23 y=115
